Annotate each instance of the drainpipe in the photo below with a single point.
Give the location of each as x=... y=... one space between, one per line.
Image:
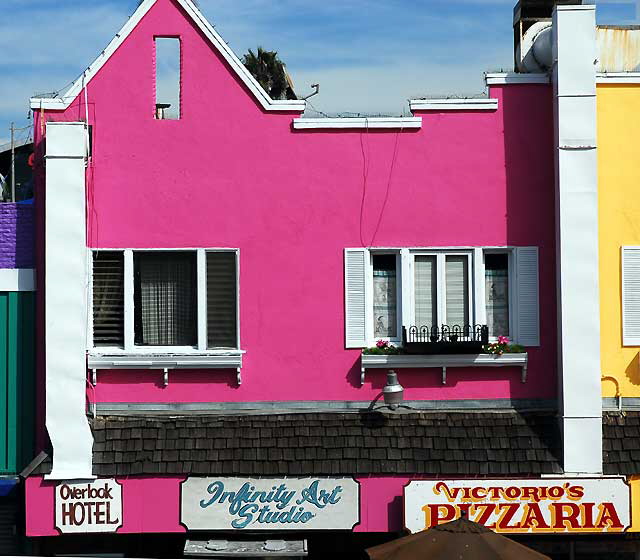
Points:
x=65 y=301
x=574 y=87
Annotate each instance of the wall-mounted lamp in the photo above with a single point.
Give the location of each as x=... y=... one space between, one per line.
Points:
x=392 y=392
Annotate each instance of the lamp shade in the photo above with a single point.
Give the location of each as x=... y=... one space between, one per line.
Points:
x=392 y=392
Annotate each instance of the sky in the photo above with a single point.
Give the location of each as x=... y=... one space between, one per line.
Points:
x=369 y=56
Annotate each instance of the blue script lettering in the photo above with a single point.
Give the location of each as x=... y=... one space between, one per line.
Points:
x=319 y=498
x=245 y=516
x=215 y=489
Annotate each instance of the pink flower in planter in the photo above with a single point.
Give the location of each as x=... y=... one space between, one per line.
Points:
x=382 y=344
x=503 y=340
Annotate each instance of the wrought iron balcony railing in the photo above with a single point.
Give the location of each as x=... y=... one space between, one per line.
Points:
x=445 y=339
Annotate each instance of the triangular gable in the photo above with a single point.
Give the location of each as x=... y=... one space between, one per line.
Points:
x=268 y=104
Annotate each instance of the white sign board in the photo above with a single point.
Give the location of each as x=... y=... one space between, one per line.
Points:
x=90 y=507
x=269 y=503
x=592 y=505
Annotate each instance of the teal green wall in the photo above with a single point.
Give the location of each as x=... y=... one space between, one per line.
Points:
x=17 y=396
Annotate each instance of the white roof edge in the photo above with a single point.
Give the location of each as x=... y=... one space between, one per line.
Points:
x=357 y=122
x=479 y=104
x=505 y=78
x=265 y=101
x=618 y=78
x=574 y=7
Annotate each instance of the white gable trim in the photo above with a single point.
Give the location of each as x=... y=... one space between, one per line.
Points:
x=60 y=104
x=453 y=104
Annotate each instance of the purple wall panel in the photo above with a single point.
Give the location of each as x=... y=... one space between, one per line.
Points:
x=16 y=235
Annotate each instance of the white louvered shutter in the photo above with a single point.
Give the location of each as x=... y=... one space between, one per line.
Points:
x=528 y=314
x=355 y=280
x=631 y=296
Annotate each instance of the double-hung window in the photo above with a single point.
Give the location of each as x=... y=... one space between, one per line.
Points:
x=165 y=300
x=389 y=289
x=441 y=289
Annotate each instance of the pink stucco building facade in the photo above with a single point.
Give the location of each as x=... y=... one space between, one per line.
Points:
x=276 y=248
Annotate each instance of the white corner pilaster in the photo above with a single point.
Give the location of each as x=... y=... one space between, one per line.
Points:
x=574 y=83
x=66 y=312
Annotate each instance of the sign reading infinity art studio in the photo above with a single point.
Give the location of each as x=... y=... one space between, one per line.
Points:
x=521 y=506
x=91 y=507
x=269 y=503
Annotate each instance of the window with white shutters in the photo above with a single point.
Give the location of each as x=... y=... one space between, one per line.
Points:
x=182 y=299
x=631 y=296
x=434 y=288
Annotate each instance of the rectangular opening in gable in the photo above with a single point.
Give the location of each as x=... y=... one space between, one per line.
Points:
x=167 y=78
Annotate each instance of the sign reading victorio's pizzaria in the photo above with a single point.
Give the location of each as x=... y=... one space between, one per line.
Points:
x=90 y=507
x=580 y=505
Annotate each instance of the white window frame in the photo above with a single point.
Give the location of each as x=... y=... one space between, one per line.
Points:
x=441 y=284
x=476 y=284
x=201 y=305
x=513 y=308
x=397 y=339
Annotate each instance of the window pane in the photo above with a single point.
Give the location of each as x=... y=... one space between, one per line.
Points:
x=165 y=298
x=167 y=77
x=457 y=287
x=221 y=300
x=108 y=298
x=496 y=279
x=425 y=296
x=385 y=307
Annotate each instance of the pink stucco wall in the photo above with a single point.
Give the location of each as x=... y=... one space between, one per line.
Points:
x=230 y=175
x=152 y=505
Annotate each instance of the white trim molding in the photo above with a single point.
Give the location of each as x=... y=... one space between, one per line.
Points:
x=268 y=104
x=65 y=302
x=357 y=122
x=443 y=361
x=17 y=280
x=511 y=78
x=576 y=196
x=618 y=78
x=231 y=359
x=453 y=104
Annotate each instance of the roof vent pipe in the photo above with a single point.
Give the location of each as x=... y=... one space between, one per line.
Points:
x=535 y=52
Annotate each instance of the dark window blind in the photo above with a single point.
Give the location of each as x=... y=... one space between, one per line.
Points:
x=221 y=300
x=108 y=298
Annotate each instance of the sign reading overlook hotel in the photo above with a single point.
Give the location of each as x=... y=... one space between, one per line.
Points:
x=269 y=503
x=521 y=506
x=90 y=507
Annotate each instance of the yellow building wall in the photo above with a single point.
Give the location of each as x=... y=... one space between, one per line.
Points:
x=619 y=225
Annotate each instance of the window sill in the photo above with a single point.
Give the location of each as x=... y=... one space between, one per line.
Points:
x=165 y=360
x=444 y=361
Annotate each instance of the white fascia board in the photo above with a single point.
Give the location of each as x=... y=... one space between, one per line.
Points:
x=48 y=103
x=207 y=29
x=358 y=122
x=17 y=280
x=480 y=104
x=509 y=78
x=618 y=78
